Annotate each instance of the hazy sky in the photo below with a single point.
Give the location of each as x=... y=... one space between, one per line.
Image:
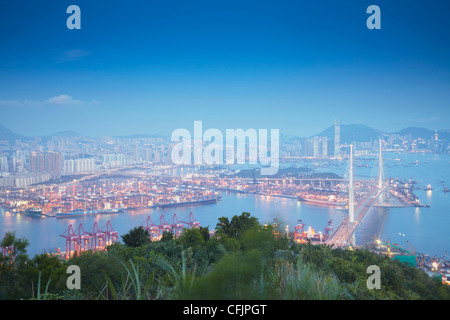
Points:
x=156 y=65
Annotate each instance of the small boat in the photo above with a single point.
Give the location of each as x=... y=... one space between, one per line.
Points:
x=429 y=188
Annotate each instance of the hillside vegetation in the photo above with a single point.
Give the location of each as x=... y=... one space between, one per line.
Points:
x=244 y=260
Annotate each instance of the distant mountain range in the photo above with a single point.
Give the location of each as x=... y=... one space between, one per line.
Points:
x=142 y=135
x=418 y=132
x=353 y=132
x=363 y=133
x=66 y=134
x=349 y=134
x=6 y=134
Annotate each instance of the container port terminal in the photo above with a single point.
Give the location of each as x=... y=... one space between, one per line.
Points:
x=113 y=194
x=109 y=195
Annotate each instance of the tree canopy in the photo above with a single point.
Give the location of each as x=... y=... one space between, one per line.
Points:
x=136 y=237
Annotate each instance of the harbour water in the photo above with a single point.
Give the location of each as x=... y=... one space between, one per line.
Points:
x=43 y=232
x=426 y=229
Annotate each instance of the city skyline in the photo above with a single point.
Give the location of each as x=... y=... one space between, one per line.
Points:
x=329 y=132
x=152 y=68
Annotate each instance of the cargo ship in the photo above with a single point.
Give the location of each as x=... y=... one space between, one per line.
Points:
x=188 y=203
x=34 y=212
x=85 y=213
x=38 y=212
x=321 y=202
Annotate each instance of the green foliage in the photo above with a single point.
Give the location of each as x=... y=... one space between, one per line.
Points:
x=204 y=231
x=137 y=237
x=19 y=251
x=300 y=281
x=180 y=280
x=258 y=269
x=133 y=287
x=94 y=266
x=192 y=238
x=43 y=269
x=235 y=276
x=11 y=267
x=166 y=236
x=263 y=240
x=398 y=280
x=237 y=226
x=9 y=277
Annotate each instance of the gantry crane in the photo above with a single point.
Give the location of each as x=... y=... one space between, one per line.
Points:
x=419 y=261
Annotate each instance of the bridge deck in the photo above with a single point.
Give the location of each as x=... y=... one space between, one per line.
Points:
x=346 y=229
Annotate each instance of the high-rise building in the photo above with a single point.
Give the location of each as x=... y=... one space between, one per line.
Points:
x=337 y=136
x=316 y=146
x=148 y=155
x=325 y=146
x=45 y=162
x=4 y=164
x=69 y=166
x=157 y=157
x=169 y=153
x=79 y=165
x=113 y=160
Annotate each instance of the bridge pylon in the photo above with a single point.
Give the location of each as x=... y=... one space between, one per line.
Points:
x=351 y=203
x=383 y=195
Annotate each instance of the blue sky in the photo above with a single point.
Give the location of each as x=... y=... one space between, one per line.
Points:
x=154 y=66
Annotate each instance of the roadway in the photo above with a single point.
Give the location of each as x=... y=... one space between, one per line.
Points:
x=301 y=179
x=347 y=228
